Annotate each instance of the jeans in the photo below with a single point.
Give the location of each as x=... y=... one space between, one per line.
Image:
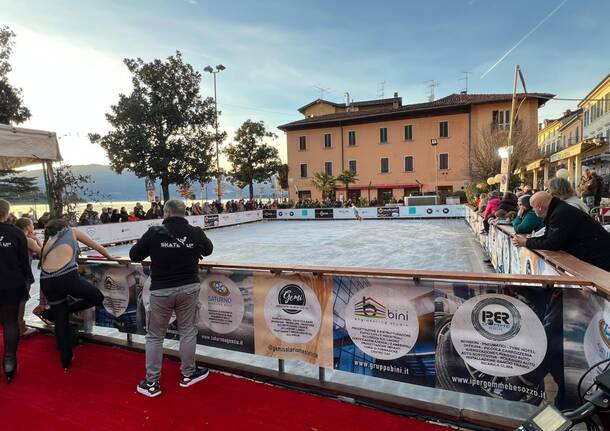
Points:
x=84 y=295
x=186 y=306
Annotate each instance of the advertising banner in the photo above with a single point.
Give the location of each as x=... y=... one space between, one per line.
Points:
x=211 y=221
x=226 y=314
x=293 y=317
x=387 y=212
x=586 y=322
x=122 y=287
x=384 y=328
x=269 y=214
x=344 y=213
x=433 y=211
x=491 y=341
x=296 y=213
x=324 y=213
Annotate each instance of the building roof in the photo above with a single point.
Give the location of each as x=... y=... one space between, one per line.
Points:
x=463 y=101
x=602 y=82
x=374 y=102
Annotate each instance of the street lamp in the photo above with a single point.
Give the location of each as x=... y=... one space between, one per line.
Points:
x=209 y=69
x=434 y=143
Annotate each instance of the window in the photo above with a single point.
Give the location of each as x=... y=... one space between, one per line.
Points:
x=303 y=170
x=500 y=119
x=577 y=137
x=408 y=132
x=351 y=138
x=443 y=161
x=328 y=168
x=385 y=165
x=304 y=195
x=409 y=164
x=327 y=140
x=443 y=129
x=352 y=166
x=302 y=143
x=383 y=135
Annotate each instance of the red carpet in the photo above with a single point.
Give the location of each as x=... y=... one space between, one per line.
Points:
x=99 y=394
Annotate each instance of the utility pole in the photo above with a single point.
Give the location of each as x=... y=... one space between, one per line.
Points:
x=219 y=68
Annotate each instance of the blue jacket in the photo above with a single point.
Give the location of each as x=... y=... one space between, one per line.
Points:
x=528 y=223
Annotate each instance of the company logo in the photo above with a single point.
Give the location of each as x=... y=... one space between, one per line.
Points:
x=110 y=284
x=291 y=213
x=604 y=332
x=429 y=210
x=5 y=244
x=446 y=210
x=292 y=299
x=496 y=319
x=412 y=210
x=219 y=288
x=90 y=231
x=370 y=307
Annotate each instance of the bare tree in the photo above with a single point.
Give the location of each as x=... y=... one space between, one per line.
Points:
x=485 y=161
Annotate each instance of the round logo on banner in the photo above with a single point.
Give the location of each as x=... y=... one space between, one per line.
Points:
x=222 y=304
x=115 y=284
x=293 y=298
x=597 y=338
x=382 y=322
x=498 y=335
x=293 y=312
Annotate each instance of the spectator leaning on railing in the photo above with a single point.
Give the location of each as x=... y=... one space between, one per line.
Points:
x=526 y=221
x=570 y=230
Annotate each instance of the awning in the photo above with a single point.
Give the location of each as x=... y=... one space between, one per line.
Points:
x=21 y=147
x=380 y=186
x=537 y=164
x=572 y=151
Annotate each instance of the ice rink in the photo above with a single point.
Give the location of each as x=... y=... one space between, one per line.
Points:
x=444 y=245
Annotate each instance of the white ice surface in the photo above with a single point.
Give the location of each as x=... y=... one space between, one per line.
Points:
x=443 y=245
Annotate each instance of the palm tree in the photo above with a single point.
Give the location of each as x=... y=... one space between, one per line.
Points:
x=347 y=177
x=325 y=183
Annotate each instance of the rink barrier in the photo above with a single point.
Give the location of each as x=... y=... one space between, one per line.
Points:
x=509 y=259
x=457 y=341
x=116 y=233
x=385 y=212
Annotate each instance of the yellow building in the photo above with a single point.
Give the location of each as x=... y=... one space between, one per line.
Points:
x=389 y=145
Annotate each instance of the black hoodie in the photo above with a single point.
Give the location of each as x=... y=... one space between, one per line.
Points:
x=174 y=249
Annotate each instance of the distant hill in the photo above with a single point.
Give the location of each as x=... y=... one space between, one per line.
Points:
x=128 y=187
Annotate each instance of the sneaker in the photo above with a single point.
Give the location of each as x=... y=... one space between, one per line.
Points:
x=197 y=376
x=149 y=389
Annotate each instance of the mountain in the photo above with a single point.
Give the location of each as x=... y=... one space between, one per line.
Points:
x=128 y=187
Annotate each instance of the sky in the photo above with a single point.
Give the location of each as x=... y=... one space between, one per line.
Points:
x=68 y=54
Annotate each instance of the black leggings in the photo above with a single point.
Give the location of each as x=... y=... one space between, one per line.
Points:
x=84 y=296
x=8 y=319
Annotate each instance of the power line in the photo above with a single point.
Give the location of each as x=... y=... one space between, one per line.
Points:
x=257 y=109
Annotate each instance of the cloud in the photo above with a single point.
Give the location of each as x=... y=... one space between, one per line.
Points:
x=193 y=2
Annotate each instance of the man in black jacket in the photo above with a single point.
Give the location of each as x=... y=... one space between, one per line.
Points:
x=570 y=230
x=175 y=248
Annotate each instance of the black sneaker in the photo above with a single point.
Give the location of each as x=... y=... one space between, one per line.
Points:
x=197 y=376
x=149 y=389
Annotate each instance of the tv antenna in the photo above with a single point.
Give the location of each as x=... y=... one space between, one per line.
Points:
x=432 y=84
x=464 y=78
x=380 y=89
x=322 y=90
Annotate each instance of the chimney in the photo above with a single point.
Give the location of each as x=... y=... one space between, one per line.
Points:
x=463 y=92
x=568 y=112
x=397 y=101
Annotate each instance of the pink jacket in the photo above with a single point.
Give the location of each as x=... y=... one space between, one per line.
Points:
x=492 y=207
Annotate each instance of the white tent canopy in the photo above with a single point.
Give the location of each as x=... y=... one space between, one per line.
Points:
x=21 y=147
